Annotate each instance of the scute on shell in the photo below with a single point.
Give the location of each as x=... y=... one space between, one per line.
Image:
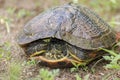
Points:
x=72 y=23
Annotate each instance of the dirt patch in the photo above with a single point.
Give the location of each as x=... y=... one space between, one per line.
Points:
x=16 y=21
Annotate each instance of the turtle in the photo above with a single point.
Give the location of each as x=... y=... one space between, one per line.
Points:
x=67 y=34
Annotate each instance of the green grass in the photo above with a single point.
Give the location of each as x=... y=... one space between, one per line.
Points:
x=5 y=51
x=86 y=77
x=31 y=62
x=22 y=13
x=48 y=75
x=6 y=21
x=13 y=72
x=76 y=66
x=77 y=77
x=114 y=58
x=10 y=10
x=104 y=8
x=45 y=74
x=13 y=68
x=75 y=1
x=109 y=5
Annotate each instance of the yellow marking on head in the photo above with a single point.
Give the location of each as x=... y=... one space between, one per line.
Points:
x=37 y=53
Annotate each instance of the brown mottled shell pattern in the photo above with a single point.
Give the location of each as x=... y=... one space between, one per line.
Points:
x=72 y=23
x=82 y=30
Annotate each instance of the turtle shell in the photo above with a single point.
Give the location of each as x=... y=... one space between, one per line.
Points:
x=72 y=23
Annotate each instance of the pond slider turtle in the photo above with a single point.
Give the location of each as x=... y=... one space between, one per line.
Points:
x=66 y=34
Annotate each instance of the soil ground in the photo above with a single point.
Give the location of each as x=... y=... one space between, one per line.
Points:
x=17 y=54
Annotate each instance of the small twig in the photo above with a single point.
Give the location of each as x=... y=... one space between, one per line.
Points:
x=96 y=63
x=105 y=77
